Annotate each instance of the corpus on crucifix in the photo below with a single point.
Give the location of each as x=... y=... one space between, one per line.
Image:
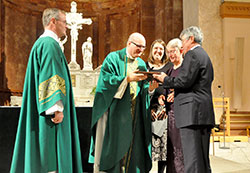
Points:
x=74 y=23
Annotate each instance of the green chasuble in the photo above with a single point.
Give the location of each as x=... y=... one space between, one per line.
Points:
x=41 y=145
x=128 y=131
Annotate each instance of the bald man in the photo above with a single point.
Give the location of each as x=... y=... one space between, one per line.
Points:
x=121 y=124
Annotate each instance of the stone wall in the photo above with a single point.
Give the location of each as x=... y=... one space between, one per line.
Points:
x=226 y=39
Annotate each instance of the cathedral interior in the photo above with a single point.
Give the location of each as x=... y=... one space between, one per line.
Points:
x=225 y=25
x=113 y=22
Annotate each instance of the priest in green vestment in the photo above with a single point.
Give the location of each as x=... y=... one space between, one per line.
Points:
x=47 y=137
x=121 y=123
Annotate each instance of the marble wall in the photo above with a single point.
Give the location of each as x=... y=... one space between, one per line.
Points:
x=168 y=19
x=211 y=23
x=17 y=45
x=237 y=62
x=206 y=15
x=226 y=39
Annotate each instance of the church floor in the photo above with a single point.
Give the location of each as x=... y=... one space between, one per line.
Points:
x=236 y=159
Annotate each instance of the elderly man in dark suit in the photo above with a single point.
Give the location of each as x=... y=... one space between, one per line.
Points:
x=193 y=107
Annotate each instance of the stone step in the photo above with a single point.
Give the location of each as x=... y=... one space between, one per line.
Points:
x=239 y=113
x=234 y=138
x=238 y=132
x=239 y=119
x=233 y=132
x=238 y=123
x=238 y=126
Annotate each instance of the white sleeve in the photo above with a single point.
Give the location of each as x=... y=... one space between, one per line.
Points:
x=121 y=90
x=58 y=106
x=151 y=93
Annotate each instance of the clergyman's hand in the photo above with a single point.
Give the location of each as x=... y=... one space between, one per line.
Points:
x=136 y=76
x=58 y=117
x=160 y=77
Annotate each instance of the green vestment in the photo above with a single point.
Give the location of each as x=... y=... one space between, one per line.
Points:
x=127 y=136
x=41 y=145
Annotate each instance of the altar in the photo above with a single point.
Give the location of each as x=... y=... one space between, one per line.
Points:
x=83 y=80
x=8 y=128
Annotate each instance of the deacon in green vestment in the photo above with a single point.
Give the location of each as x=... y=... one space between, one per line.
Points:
x=47 y=135
x=121 y=123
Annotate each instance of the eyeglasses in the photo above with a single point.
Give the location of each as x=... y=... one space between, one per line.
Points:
x=184 y=39
x=63 y=21
x=171 y=52
x=139 y=46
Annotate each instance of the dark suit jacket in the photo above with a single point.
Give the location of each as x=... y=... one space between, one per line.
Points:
x=193 y=97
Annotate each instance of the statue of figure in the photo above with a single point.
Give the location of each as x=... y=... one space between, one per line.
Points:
x=74 y=23
x=87 y=51
x=62 y=42
x=73 y=7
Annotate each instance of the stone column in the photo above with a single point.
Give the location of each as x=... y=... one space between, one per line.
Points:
x=206 y=15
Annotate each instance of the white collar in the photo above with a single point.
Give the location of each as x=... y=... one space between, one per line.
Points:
x=195 y=47
x=155 y=68
x=175 y=67
x=49 y=33
x=129 y=56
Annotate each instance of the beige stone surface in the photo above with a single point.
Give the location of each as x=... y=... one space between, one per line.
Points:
x=211 y=24
x=235 y=159
x=206 y=15
x=235 y=28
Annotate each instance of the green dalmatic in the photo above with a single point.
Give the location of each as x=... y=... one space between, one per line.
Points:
x=42 y=146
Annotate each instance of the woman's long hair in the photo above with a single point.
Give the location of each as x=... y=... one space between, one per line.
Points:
x=164 y=59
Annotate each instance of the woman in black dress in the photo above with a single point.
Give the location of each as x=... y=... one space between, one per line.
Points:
x=175 y=160
x=158 y=62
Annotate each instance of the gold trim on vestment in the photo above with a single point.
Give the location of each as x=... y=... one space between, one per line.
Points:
x=50 y=98
x=51 y=86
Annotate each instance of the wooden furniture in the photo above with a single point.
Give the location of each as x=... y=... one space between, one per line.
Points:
x=223 y=103
x=237 y=124
x=248 y=127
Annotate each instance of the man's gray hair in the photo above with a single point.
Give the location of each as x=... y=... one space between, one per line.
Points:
x=50 y=13
x=193 y=31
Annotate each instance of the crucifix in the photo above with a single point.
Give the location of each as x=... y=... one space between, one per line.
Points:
x=74 y=23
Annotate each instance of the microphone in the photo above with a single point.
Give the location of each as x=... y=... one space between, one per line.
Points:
x=222 y=92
